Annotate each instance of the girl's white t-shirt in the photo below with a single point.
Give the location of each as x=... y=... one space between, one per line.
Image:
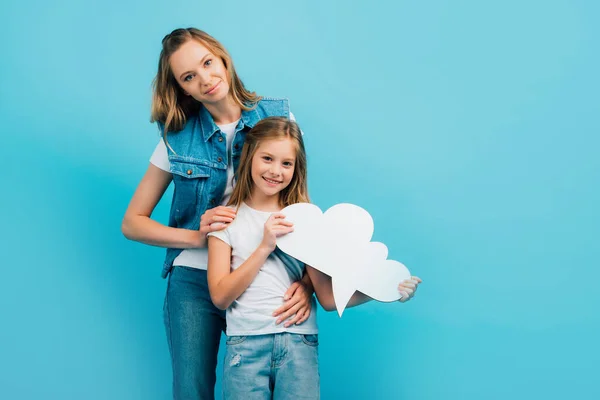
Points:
x=198 y=258
x=252 y=312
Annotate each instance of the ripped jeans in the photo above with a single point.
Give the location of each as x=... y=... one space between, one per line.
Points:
x=278 y=366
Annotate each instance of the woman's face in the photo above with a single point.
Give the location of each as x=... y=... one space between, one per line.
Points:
x=200 y=73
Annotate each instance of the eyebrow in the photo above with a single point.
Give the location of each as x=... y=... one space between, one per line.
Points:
x=201 y=61
x=264 y=153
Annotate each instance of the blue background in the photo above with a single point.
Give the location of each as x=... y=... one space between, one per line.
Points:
x=469 y=129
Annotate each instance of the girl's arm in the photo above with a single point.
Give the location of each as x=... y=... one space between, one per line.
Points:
x=226 y=286
x=324 y=290
x=137 y=224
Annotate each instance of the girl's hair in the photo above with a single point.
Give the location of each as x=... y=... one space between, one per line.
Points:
x=170 y=105
x=269 y=129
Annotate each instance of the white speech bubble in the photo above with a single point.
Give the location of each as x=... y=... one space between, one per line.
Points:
x=338 y=243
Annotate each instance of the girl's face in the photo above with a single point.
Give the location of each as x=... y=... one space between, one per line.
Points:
x=273 y=166
x=200 y=73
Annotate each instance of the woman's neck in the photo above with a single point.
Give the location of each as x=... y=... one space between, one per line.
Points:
x=260 y=202
x=225 y=111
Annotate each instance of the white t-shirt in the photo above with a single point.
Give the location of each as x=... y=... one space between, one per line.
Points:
x=251 y=313
x=198 y=258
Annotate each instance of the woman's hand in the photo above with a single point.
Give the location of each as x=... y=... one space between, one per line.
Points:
x=408 y=287
x=275 y=226
x=298 y=301
x=216 y=219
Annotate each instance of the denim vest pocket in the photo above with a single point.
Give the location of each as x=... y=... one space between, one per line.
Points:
x=190 y=180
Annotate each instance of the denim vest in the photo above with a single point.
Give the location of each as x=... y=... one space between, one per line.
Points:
x=198 y=159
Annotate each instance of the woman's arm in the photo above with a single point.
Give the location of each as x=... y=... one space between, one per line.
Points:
x=224 y=285
x=137 y=224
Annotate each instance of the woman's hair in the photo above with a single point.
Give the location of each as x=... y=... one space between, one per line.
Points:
x=170 y=105
x=269 y=129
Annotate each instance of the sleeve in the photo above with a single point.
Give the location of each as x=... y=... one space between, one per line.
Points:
x=160 y=157
x=223 y=235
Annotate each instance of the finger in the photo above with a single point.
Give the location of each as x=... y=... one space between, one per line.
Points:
x=294 y=299
x=219 y=218
x=217 y=226
x=404 y=297
x=227 y=212
x=283 y=222
x=419 y=280
x=295 y=320
x=277 y=216
x=291 y=290
x=282 y=231
x=284 y=307
x=293 y=310
x=408 y=283
x=304 y=316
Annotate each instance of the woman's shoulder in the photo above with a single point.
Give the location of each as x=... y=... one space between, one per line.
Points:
x=272 y=106
x=272 y=99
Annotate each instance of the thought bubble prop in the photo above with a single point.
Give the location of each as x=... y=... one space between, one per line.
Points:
x=338 y=243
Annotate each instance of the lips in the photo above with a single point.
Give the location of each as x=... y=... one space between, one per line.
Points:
x=212 y=89
x=271 y=181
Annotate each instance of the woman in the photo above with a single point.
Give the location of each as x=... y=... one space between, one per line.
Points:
x=203 y=111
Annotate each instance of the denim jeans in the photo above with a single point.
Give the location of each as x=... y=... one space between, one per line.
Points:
x=194 y=327
x=279 y=366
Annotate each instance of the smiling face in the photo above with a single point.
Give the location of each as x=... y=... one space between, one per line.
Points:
x=200 y=73
x=273 y=167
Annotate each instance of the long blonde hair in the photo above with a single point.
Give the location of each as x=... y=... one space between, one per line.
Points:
x=170 y=105
x=268 y=129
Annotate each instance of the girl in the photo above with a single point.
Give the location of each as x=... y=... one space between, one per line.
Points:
x=203 y=112
x=248 y=276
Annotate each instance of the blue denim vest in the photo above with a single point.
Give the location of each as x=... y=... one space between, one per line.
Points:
x=198 y=159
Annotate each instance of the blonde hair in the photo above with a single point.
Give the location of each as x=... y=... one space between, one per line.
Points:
x=268 y=129
x=170 y=105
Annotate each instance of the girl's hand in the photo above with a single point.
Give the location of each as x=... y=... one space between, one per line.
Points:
x=298 y=301
x=408 y=287
x=216 y=219
x=275 y=226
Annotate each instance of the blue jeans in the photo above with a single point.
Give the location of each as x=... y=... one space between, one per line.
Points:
x=194 y=327
x=277 y=366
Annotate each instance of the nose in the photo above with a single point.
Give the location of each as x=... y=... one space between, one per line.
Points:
x=204 y=76
x=275 y=169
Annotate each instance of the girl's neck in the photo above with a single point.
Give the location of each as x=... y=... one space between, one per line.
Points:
x=225 y=111
x=261 y=202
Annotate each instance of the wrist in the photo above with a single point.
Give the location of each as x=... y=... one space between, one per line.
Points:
x=263 y=250
x=197 y=239
x=308 y=286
